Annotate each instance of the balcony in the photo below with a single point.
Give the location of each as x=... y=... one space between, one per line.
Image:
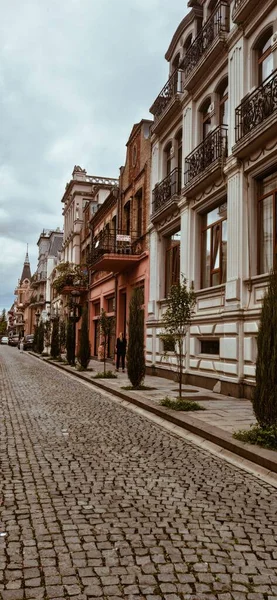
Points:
x=117 y=251
x=256 y=117
x=204 y=163
x=166 y=195
x=168 y=101
x=243 y=9
x=207 y=47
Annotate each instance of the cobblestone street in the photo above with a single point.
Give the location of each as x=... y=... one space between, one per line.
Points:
x=98 y=502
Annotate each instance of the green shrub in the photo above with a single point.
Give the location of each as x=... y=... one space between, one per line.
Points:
x=261 y=436
x=84 y=349
x=265 y=395
x=40 y=342
x=70 y=350
x=105 y=375
x=135 y=350
x=55 y=339
x=181 y=404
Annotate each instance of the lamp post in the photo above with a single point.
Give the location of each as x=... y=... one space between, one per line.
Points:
x=74 y=316
x=37 y=315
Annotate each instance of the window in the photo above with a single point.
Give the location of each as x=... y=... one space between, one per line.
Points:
x=138 y=197
x=209 y=347
x=169 y=344
x=127 y=217
x=172 y=261
x=265 y=56
x=97 y=309
x=223 y=102
x=267 y=233
x=179 y=139
x=187 y=44
x=214 y=246
x=111 y=304
x=206 y=118
x=167 y=153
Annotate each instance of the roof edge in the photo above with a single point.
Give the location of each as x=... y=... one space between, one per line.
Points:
x=194 y=12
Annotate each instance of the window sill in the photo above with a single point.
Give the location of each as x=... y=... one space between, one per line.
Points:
x=210 y=290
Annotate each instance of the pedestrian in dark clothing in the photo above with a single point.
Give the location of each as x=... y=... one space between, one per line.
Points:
x=121 y=344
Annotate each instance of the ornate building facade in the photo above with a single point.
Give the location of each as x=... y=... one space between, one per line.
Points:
x=120 y=253
x=214 y=186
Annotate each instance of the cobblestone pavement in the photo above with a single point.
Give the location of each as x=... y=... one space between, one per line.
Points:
x=97 y=502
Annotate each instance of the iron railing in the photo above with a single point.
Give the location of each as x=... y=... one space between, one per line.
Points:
x=172 y=87
x=164 y=191
x=117 y=242
x=213 y=147
x=218 y=22
x=256 y=107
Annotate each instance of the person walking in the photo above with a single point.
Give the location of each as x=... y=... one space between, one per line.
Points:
x=121 y=344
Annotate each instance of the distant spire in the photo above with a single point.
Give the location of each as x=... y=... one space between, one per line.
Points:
x=26 y=272
x=26 y=261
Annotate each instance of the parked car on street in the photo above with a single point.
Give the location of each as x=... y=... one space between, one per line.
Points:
x=4 y=340
x=13 y=340
x=28 y=342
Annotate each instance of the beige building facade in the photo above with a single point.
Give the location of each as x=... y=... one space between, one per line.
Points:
x=214 y=187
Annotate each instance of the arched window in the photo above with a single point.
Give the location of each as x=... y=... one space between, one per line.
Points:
x=175 y=62
x=264 y=55
x=222 y=92
x=187 y=44
x=206 y=118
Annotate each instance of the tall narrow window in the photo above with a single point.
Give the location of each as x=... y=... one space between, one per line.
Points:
x=267 y=232
x=265 y=56
x=206 y=119
x=214 y=247
x=172 y=261
x=167 y=153
x=127 y=217
x=179 y=159
x=223 y=103
x=139 y=212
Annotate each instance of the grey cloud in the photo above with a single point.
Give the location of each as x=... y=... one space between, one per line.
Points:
x=74 y=77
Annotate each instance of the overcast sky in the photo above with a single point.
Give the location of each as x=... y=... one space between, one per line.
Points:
x=75 y=75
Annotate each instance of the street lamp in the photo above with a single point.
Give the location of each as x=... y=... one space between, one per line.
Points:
x=74 y=316
x=37 y=315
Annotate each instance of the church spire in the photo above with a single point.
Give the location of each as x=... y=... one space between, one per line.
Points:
x=26 y=271
x=26 y=261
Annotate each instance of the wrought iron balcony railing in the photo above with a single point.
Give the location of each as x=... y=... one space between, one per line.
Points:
x=213 y=147
x=172 y=87
x=256 y=107
x=164 y=191
x=118 y=242
x=218 y=22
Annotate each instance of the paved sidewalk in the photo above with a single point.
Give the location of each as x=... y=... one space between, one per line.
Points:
x=226 y=412
x=222 y=415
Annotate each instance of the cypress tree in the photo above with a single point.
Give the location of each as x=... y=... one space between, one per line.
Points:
x=135 y=348
x=35 y=343
x=40 y=344
x=55 y=339
x=265 y=396
x=62 y=334
x=69 y=343
x=84 y=350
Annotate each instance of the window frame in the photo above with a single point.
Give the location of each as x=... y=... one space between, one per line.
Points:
x=173 y=247
x=204 y=229
x=260 y=198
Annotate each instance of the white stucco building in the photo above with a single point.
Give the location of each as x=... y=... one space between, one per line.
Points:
x=214 y=182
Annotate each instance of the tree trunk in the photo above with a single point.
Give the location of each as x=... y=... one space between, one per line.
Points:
x=180 y=369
